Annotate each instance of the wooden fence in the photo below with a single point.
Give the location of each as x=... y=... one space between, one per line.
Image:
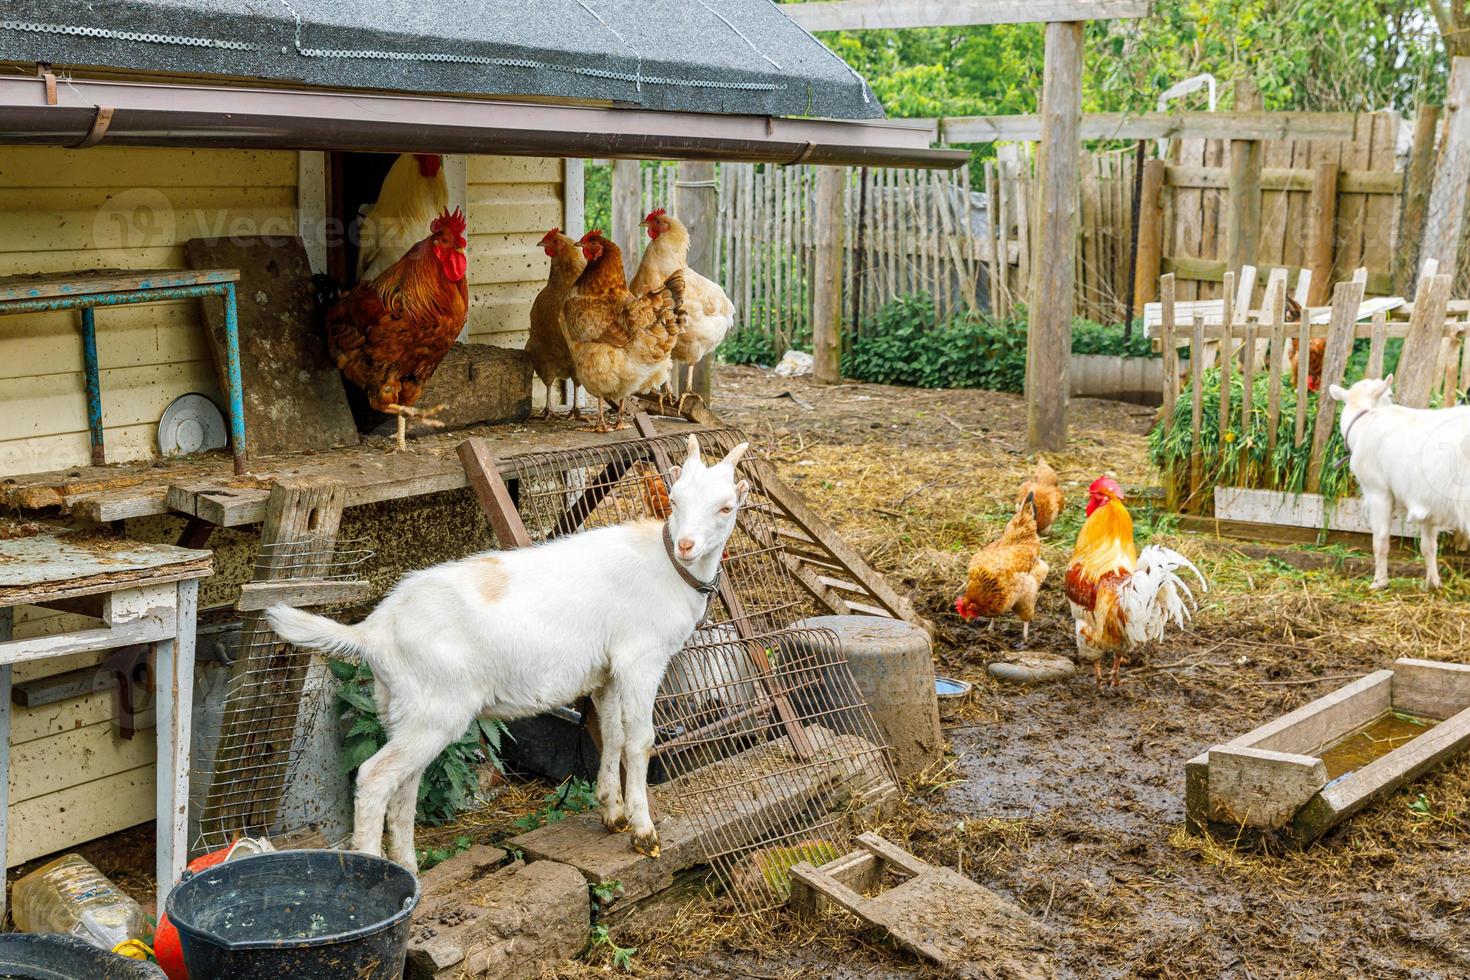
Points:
x=1326 y=206
x=1236 y=337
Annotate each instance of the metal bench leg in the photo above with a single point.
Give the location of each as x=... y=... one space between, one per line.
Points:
x=174 y=701
x=232 y=369
x=93 y=385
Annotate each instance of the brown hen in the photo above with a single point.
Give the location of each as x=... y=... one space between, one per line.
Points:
x=1049 y=499
x=1006 y=575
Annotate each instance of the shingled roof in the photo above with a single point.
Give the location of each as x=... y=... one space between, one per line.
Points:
x=706 y=56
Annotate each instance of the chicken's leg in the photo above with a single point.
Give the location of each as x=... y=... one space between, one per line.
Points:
x=405 y=412
x=1097 y=671
x=1117 y=665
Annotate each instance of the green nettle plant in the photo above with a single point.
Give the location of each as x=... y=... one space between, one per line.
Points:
x=451 y=781
x=908 y=343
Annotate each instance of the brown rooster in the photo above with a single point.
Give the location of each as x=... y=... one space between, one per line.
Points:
x=1006 y=575
x=547 y=344
x=620 y=342
x=654 y=491
x=389 y=334
x=1043 y=487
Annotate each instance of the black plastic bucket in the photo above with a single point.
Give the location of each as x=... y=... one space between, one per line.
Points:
x=37 y=956
x=317 y=914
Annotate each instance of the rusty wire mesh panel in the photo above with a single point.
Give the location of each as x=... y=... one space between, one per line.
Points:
x=773 y=748
x=271 y=704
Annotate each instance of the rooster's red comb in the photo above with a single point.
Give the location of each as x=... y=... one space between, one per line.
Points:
x=454 y=222
x=655 y=213
x=594 y=233
x=1106 y=484
x=550 y=236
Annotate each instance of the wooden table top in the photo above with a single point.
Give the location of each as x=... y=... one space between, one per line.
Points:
x=40 y=562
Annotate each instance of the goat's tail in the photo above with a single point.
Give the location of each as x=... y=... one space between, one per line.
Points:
x=316 y=632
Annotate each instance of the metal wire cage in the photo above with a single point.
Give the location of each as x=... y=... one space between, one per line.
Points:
x=772 y=750
x=276 y=693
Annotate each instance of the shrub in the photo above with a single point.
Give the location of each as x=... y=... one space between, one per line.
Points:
x=749 y=347
x=907 y=343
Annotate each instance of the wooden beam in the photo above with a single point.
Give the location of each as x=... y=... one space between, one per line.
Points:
x=1346 y=298
x=1026 y=128
x=483 y=471
x=1213 y=270
x=627 y=212
x=1444 y=220
x=862 y=15
x=1243 y=203
x=1150 y=235
x=1286 y=179
x=827 y=294
x=1049 y=330
x=1417 y=177
x=255 y=596
x=1322 y=231
x=697 y=203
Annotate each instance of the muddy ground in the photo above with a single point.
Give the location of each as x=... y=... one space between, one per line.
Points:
x=1069 y=800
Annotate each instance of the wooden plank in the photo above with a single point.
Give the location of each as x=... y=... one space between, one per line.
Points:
x=1211 y=270
x=1418 y=367
x=1417 y=178
x=863 y=15
x=55 y=284
x=1196 y=406
x=1260 y=788
x=82 y=641
x=1445 y=215
x=1232 y=315
x=62 y=563
x=1430 y=688
x=1377 y=345
x=1170 y=349
x=56 y=821
x=1155 y=126
x=1308 y=728
x=483 y=472
x=1345 y=299
x=1150 y=235
x=293 y=393
x=1276 y=359
x=297 y=541
x=255 y=596
x=1243 y=221
x=627 y=212
x=1309 y=511
x=1322 y=230
x=1376 y=182
x=1049 y=327
x=827 y=289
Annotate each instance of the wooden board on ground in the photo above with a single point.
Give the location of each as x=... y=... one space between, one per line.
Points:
x=478 y=919
x=293 y=393
x=937 y=913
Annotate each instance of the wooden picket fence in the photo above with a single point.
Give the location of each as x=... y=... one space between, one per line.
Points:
x=1235 y=336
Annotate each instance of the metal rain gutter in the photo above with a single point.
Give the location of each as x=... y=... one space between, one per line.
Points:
x=125 y=113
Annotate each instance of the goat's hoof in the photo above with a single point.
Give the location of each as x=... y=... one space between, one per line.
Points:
x=1379 y=586
x=646 y=844
x=617 y=824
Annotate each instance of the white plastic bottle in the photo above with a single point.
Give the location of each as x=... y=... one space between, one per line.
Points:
x=70 y=896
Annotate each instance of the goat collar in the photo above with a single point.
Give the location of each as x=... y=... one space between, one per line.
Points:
x=706 y=589
x=1356 y=418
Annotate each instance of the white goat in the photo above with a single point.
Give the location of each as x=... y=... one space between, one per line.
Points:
x=1414 y=458
x=510 y=634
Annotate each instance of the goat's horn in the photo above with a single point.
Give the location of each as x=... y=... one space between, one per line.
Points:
x=736 y=454
x=694 y=456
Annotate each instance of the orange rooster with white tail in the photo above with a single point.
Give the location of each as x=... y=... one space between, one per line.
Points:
x=1121 y=598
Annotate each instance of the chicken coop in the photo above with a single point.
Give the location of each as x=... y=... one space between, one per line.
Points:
x=180 y=204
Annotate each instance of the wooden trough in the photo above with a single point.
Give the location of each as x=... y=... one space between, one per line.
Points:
x=1304 y=773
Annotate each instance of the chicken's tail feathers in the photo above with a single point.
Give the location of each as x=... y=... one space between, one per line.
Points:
x=1156 y=594
x=1044 y=472
x=314 y=632
x=1171 y=561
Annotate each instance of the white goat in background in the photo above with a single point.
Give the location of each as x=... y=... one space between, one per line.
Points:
x=1414 y=458
x=511 y=634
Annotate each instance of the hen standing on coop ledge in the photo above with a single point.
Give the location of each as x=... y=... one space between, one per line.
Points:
x=389 y=334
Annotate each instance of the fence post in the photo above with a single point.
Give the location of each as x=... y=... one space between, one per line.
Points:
x=627 y=212
x=1322 y=232
x=1417 y=177
x=697 y=205
x=1446 y=215
x=831 y=219
x=1243 y=223
x=1049 y=331
x=1150 y=235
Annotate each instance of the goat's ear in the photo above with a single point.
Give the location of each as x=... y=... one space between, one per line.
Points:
x=1337 y=392
x=742 y=490
x=693 y=455
x=736 y=454
x=674 y=470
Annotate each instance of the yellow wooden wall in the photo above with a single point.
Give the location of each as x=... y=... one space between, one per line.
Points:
x=117 y=208
x=71 y=778
x=511 y=203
